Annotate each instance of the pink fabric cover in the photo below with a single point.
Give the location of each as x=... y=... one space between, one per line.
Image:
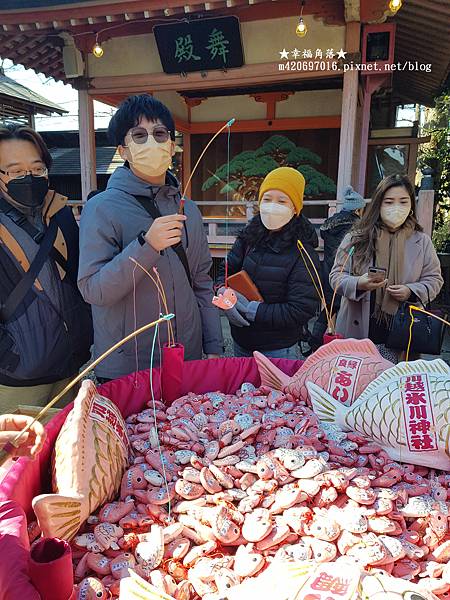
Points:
x=328 y=337
x=51 y=569
x=14 y=554
x=172 y=373
x=27 y=478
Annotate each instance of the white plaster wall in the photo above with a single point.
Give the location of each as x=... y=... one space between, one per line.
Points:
x=225 y=107
x=174 y=103
x=311 y=104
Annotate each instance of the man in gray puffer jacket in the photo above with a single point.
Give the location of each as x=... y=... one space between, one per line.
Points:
x=116 y=228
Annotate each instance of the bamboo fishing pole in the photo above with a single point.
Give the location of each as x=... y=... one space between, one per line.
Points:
x=227 y=124
x=5 y=452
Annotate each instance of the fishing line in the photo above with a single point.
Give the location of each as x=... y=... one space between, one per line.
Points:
x=160 y=291
x=152 y=392
x=14 y=444
x=227 y=124
x=170 y=334
x=227 y=208
x=313 y=281
x=135 y=327
x=410 y=334
x=426 y=312
x=321 y=294
x=417 y=308
x=340 y=274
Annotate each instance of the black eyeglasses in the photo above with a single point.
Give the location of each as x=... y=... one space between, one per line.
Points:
x=21 y=173
x=139 y=135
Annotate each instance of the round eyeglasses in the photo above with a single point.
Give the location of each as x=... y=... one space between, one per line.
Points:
x=139 y=135
x=21 y=174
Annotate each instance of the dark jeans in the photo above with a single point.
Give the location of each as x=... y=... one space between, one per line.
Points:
x=290 y=353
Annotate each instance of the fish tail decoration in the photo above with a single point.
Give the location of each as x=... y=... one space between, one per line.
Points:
x=326 y=407
x=63 y=513
x=135 y=587
x=270 y=375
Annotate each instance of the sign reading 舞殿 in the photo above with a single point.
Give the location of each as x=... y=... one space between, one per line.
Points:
x=202 y=45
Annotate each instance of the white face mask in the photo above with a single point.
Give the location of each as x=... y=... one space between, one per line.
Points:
x=394 y=216
x=152 y=158
x=275 y=216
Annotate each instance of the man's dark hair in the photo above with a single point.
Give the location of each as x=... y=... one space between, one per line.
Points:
x=130 y=113
x=16 y=131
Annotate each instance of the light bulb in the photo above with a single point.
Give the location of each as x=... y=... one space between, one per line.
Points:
x=97 y=50
x=395 y=5
x=301 y=29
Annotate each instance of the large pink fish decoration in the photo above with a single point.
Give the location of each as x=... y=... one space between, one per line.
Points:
x=90 y=456
x=343 y=368
x=405 y=411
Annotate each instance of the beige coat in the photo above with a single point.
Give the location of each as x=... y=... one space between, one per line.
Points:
x=422 y=271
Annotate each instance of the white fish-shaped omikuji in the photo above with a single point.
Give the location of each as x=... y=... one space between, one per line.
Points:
x=383 y=412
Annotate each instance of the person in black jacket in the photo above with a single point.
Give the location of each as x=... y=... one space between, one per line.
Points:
x=332 y=231
x=267 y=250
x=45 y=326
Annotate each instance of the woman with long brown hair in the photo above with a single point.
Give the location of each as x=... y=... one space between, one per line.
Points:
x=389 y=238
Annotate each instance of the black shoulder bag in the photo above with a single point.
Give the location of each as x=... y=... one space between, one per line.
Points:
x=21 y=221
x=427 y=332
x=8 y=309
x=151 y=208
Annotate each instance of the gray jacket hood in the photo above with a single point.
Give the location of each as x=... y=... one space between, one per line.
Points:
x=124 y=180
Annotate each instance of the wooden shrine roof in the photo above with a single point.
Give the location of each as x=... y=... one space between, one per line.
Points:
x=30 y=29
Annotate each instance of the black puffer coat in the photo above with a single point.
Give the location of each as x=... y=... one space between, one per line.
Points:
x=278 y=271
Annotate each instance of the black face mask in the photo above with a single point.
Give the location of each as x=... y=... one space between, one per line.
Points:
x=29 y=192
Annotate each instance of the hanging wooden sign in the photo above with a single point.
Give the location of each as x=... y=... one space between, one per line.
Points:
x=202 y=45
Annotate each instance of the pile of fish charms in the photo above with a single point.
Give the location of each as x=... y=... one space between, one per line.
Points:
x=240 y=481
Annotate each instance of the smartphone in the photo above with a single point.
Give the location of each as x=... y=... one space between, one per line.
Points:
x=377 y=274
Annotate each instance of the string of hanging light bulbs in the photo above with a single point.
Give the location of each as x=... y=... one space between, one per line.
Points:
x=301 y=30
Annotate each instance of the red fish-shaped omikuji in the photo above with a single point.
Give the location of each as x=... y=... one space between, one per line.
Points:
x=344 y=368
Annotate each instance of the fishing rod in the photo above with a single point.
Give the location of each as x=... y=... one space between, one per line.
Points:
x=9 y=447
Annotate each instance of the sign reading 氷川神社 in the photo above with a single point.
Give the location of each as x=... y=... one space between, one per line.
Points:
x=203 y=45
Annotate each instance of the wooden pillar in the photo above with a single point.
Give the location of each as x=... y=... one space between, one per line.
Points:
x=371 y=84
x=425 y=207
x=87 y=142
x=349 y=108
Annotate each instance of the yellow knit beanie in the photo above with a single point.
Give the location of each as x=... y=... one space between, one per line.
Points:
x=287 y=180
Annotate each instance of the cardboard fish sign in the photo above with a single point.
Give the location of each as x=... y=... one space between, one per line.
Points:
x=343 y=368
x=406 y=411
x=90 y=456
x=307 y=580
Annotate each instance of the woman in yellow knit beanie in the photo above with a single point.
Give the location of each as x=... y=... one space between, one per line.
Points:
x=267 y=251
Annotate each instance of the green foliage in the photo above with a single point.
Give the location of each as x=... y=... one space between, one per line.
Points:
x=248 y=169
x=298 y=156
x=278 y=143
x=436 y=154
x=441 y=237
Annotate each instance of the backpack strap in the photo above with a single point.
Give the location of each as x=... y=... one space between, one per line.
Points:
x=150 y=206
x=8 y=309
x=21 y=221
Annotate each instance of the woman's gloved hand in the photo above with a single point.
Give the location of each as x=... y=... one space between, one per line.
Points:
x=247 y=308
x=234 y=315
